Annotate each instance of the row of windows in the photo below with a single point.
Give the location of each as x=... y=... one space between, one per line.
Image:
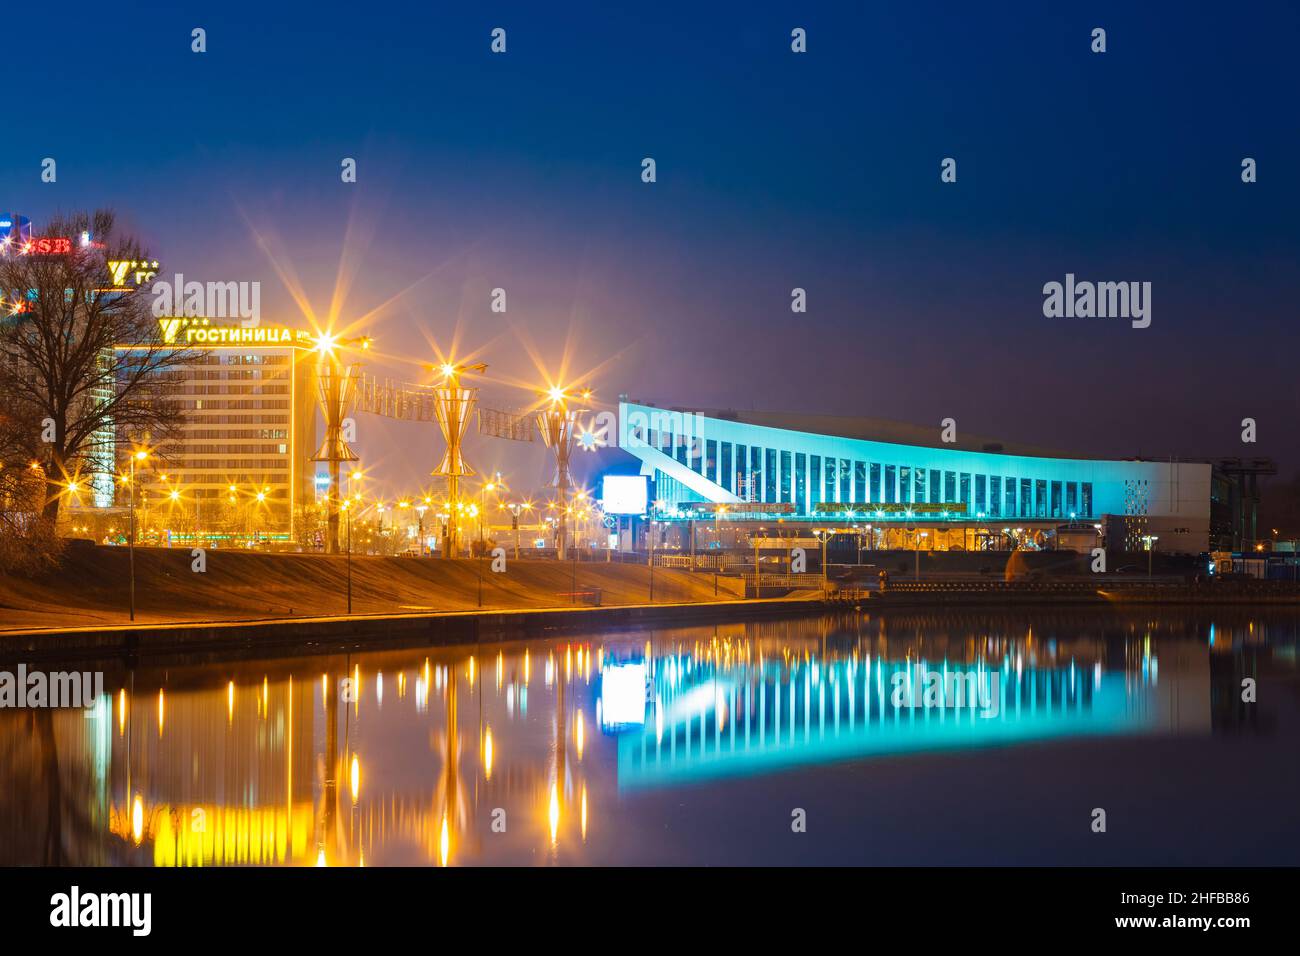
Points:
x=281 y=448
x=199 y=434
x=241 y=419
x=214 y=403
x=768 y=474
x=269 y=464
x=218 y=358
x=234 y=374
x=236 y=390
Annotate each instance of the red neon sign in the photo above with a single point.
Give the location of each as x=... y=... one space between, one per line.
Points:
x=49 y=246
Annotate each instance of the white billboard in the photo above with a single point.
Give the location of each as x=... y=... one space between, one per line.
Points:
x=624 y=494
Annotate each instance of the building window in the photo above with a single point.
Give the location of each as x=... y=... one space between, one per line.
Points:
x=1056 y=500
x=936 y=489
x=1026 y=498
x=1040 y=498
x=825 y=486
x=995 y=496
x=920 y=485
x=965 y=490
x=1072 y=498
x=770 y=490
x=815 y=463
x=876 y=496
x=904 y=484
x=787 y=478
x=949 y=487
x=726 y=474
x=1085 y=500
x=801 y=482
x=891 y=478
x=980 y=495
x=1010 y=498
x=860 y=491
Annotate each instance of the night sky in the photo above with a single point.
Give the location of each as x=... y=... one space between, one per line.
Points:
x=775 y=170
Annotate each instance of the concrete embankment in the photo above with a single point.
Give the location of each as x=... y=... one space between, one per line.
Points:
x=287 y=637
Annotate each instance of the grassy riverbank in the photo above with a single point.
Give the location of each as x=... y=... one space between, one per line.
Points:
x=90 y=587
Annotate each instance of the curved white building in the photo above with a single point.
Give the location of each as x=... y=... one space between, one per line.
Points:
x=709 y=463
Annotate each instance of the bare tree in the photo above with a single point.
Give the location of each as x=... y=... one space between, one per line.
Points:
x=84 y=365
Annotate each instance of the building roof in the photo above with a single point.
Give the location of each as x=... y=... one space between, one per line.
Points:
x=878 y=429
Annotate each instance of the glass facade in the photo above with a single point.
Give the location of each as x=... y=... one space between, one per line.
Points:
x=800 y=474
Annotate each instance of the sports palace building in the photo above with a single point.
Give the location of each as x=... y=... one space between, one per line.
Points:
x=908 y=489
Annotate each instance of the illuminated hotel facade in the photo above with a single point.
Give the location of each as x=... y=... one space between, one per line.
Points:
x=708 y=464
x=241 y=465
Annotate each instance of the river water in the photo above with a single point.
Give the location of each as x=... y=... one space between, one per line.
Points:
x=953 y=737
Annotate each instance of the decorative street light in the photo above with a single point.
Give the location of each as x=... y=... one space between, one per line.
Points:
x=557 y=421
x=337 y=388
x=452 y=406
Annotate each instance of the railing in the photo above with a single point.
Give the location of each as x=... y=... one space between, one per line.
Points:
x=700 y=562
x=788 y=580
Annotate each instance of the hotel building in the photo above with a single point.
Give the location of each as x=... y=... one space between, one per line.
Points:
x=242 y=464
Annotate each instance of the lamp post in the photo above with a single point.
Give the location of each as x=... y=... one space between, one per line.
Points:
x=419 y=512
x=651 y=549
x=556 y=422
x=130 y=540
x=514 y=511
x=1150 y=541
x=347 y=510
x=452 y=406
x=337 y=386
x=825 y=536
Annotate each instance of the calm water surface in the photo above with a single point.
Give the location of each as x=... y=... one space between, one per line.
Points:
x=689 y=746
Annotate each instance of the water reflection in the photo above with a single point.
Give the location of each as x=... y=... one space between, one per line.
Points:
x=541 y=752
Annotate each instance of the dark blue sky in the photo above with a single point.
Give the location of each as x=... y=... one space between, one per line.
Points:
x=775 y=170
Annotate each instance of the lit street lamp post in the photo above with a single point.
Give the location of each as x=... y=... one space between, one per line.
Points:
x=347 y=508
x=1150 y=541
x=130 y=540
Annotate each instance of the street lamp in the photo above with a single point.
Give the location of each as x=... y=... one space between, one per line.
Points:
x=1150 y=540
x=824 y=535
x=139 y=455
x=347 y=510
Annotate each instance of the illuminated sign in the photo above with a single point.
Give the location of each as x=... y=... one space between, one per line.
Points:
x=624 y=494
x=48 y=246
x=892 y=508
x=138 y=272
x=198 y=332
